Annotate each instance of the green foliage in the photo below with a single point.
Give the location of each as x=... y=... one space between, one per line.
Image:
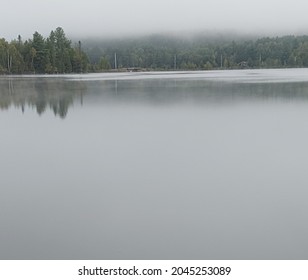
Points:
x=39 y=53
x=42 y=55
x=55 y=54
x=104 y=64
x=168 y=53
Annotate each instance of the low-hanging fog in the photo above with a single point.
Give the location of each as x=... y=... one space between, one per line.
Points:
x=105 y=18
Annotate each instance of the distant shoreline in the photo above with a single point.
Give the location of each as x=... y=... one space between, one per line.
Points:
x=56 y=54
x=146 y=71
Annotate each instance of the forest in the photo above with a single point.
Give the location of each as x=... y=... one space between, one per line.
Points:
x=58 y=54
x=38 y=55
x=163 y=52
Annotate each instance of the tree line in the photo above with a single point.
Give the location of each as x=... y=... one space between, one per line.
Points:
x=51 y=55
x=56 y=53
x=175 y=53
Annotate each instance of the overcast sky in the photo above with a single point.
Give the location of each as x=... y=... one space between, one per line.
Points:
x=118 y=17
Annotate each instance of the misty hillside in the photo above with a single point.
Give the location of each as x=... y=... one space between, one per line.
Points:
x=167 y=52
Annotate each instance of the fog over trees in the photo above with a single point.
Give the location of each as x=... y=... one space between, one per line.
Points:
x=200 y=52
x=58 y=54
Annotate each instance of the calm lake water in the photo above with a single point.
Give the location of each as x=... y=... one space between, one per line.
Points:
x=187 y=165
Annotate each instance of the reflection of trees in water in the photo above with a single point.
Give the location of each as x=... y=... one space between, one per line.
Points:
x=41 y=93
x=202 y=91
x=58 y=94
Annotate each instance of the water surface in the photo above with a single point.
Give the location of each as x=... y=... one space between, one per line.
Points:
x=189 y=165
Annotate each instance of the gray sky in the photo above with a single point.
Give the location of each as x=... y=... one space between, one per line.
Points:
x=118 y=17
